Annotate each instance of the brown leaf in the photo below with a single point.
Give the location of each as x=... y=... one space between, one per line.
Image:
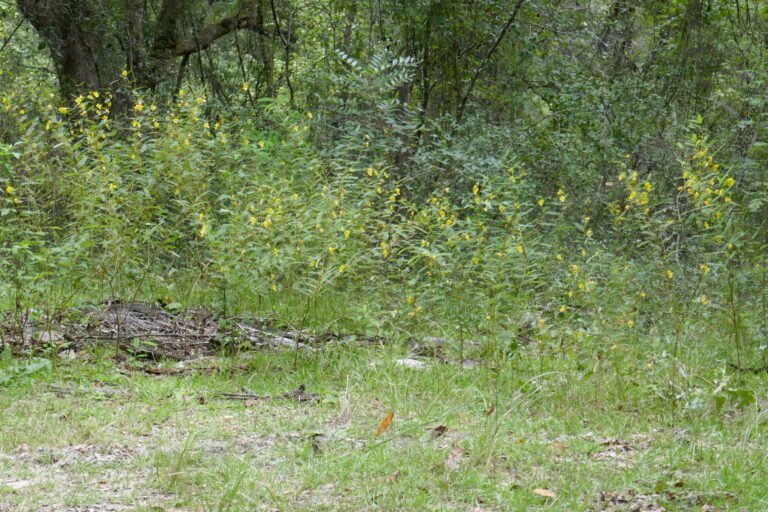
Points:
x=385 y=423
x=439 y=430
x=544 y=492
x=490 y=410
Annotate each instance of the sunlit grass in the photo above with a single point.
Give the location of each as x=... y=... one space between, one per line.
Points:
x=575 y=425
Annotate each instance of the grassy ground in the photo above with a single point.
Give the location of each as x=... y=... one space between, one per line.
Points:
x=534 y=430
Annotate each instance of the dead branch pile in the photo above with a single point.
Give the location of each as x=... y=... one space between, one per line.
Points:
x=151 y=331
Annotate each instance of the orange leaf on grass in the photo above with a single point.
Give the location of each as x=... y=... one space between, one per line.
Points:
x=544 y=492
x=385 y=423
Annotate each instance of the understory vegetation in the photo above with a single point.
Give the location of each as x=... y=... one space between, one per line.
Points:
x=570 y=197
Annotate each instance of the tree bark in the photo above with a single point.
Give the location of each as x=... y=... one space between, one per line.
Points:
x=70 y=29
x=90 y=50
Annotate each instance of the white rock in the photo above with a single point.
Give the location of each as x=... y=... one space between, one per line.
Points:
x=411 y=363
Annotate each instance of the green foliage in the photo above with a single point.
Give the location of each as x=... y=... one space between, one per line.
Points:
x=606 y=179
x=11 y=369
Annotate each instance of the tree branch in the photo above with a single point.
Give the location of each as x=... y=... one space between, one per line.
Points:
x=208 y=35
x=16 y=28
x=487 y=57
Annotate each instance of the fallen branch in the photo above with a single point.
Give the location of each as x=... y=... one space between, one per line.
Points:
x=65 y=390
x=180 y=371
x=298 y=395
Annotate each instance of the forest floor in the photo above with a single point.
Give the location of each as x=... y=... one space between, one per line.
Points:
x=357 y=425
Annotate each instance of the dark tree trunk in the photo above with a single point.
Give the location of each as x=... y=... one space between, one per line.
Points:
x=76 y=42
x=90 y=47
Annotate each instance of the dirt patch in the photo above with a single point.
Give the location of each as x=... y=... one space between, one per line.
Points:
x=73 y=470
x=630 y=501
x=617 y=452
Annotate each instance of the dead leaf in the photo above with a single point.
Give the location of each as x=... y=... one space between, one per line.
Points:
x=385 y=423
x=545 y=492
x=453 y=461
x=439 y=430
x=394 y=476
x=490 y=410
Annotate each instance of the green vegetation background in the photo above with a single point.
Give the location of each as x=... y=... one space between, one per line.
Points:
x=574 y=174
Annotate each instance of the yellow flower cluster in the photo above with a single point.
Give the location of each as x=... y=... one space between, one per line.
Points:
x=638 y=194
x=704 y=184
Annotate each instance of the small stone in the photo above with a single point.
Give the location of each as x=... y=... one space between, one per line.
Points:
x=411 y=363
x=68 y=355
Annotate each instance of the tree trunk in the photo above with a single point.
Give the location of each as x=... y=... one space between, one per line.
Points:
x=71 y=30
x=90 y=46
